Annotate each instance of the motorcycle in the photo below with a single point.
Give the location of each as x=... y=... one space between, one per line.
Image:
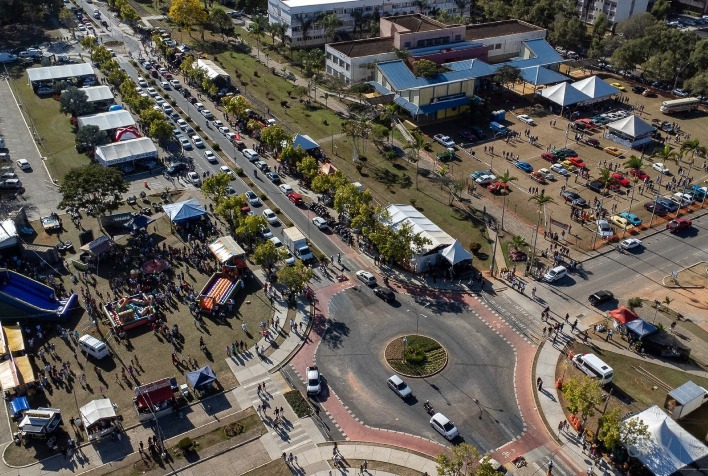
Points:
x=429 y=407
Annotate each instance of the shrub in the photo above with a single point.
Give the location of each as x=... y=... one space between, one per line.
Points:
x=233 y=429
x=238 y=171
x=197 y=128
x=185 y=444
x=475 y=247
x=263 y=196
x=634 y=302
x=298 y=403
x=276 y=210
x=413 y=201
x=414 y=354
x=216 y=147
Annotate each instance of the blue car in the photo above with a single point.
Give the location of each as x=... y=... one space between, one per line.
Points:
x=479 y=173
x=697 y=191
x=631 y=218
x=525 y=166
x=668 y=204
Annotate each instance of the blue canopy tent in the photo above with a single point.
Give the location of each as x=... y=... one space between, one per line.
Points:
x=641 y=328
x=18 y=405
x=201 y=377
x=139 y=222
x=184 y=211
x=304 y=141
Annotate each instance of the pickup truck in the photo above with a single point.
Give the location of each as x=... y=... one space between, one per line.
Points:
x=447 y=156
x=679 y=224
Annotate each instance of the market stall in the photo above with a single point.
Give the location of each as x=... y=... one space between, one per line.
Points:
x=155 y=399
x=40 y=423
x=201 y=380
x=99 y=419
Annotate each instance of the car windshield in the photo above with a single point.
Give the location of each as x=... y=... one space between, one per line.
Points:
x=448 y=426
x=401 y=386
x=313 y=382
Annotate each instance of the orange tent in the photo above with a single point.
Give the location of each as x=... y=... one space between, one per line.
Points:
x=623 y=315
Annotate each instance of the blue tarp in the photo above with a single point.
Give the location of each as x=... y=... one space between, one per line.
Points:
x=641 y=328
x=19 y=404
x=183 y=211
x=201 y=377
x=304 y=141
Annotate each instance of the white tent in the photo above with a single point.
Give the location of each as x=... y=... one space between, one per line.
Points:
x=669 y=448
x=107 y=120
x=97 y=410
x=185 y=210
x=225 y=248
x=53 y=73
x=631 y=126
x=211 y=69
x=595 y=88
x=564 y=94
x=400 y=214
x=126 y=151
x=456 y=253
x=8 y=234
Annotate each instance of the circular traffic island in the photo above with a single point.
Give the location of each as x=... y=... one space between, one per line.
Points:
x=416 y=356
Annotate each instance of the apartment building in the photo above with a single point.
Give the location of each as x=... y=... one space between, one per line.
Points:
x=614 y=10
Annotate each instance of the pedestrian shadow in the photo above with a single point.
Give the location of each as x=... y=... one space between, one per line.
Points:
x=547 y=394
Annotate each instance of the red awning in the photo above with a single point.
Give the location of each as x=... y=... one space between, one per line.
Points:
x=623 y=315
x=156 y=396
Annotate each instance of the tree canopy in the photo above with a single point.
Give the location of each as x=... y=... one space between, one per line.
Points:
x=295 y=278
x=187 y=12
x=90 y=185
x=91 y=136
x=75 y=102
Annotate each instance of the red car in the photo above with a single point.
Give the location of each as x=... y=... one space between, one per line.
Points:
x=577 y=161
x=679 y=224
x=639 y=173
x=497 y=187
x=620 y=179
x=548 y=156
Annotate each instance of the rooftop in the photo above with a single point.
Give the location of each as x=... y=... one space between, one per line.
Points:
x=416 y=22
x=312 y=3
x=498 y=28
x=366 y=47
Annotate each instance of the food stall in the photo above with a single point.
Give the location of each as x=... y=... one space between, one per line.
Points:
x=40 y=423
x=155 y=399
x=99 y=419
x=201 y=380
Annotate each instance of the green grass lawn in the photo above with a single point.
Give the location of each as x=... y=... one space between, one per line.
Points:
x=56 y=137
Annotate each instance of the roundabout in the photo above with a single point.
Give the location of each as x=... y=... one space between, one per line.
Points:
x=471 y=381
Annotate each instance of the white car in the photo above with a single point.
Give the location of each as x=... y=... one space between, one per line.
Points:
x=226 y=170
x=266 y=233
x=199 y=106
x=167 y=109
x=175 y=84
x=683 y=199
x=152 y=91
x=182 y=124
x=207 y=113
x=399 y=387
x=159 y=100
x=485 y=179
x=23 y=164
x=194 y=179
x=253 y=198
x=285 y=188
x=559 y=169
x=143 y=83
x=444 y=426
x=659 y=167
x=165 y=85
x=289 y=258
x=198 y=141
x=217 y=123
x=210 y=156
x=184 y=142
x=630 y=243
x=526 y=119
x=320 y=223
x=604 y=229
x=545 y=173
x=224 y=130
x=444 y=140
x=366 y=277
x=270 y=216
x=230 y=136
x=314 y=382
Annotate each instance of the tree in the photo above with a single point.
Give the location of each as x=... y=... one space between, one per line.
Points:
x=397 y=245
x=250 y=227
x=148 y=116
x=266 y=255
x=75 y=102
x=569 y=32
x=414 y=147
x=314 y=61
x=699 y=56
x=187 y=13
x=463 y=461
x=305 y=27
x=425 y=68
x=220 y=21
x=582 y=394
x=507 y=75
x=330 y=22
x=88 y=42
x=160 y=130
x=91 y=136
x=236 y=105
x=661 y=9
x=129 y=15
x=292 y=155
x=665 y=154
x=601 y=25
x=230 y=208
x=422 y=5
x=279 y=30
x=91 y=185
x=257 y=30
x=634 y=163
x=295 y=278
x=274 y=136
x=615 y=432
x=698 y=84
x=68 y=19
x=518 y=242
x=328 y=183
x=357 y=131
x=636 y=26
x=606 y=178
x=693 y=147
x=215 y=187
x=463 y=6
x=309 y=168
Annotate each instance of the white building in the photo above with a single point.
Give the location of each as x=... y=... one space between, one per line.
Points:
x=296 y=13
x=615 y=10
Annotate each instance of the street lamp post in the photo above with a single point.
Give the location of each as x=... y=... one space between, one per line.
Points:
x=418 y=314
x=532 y=262
x=496 y=237
x=631 y=200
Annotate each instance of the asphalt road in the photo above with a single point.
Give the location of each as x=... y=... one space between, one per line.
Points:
x=480 y=366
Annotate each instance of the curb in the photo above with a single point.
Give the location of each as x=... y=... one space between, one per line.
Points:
x=537 y=401
x=382 y=445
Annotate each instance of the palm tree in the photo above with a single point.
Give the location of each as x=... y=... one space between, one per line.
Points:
x=695 y=148
x=665 y=154
x=415 y=145
x=421 y=4
x=257 y=29
x=462 y=5
x=305 y=27
x=330 y=22
x=505 y=178
x=634 y=163
x=541 y=200
x=358 y=18
x=518 y=242
x=606 y=178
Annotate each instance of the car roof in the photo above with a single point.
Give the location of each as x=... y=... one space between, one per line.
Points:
x=395 y=379
x=440 y=418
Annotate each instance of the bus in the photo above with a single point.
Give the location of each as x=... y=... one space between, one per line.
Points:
x=679 y=105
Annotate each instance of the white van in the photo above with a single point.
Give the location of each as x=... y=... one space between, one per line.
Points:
x=93 y=347
x=594 y=367
x=555 y=274
x=251 y=155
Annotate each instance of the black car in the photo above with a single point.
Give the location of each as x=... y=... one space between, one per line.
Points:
x=595 y=186
x=593 y=143
x=656 y=208
x=600 y=297
x=638 y=89
x=573 y=198
x=384 y=293
x=174 y=169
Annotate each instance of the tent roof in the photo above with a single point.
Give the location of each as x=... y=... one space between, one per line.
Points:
x=8 y=233
x=632 y=126
x=564 y=94
x=304 y=141
x=623 y=315
x=13 y=341
x=126 y=151
x=16 y=372
x=98 y=93
x=201 y=377
x=225 y=248
x=19 y=404
x=538 y=75
x=108 y=120
x=595 y=87
x=669 y=447
x=398 y=215
x=98 y=246
x=212 y=69
x=456 y=253
x=49 y=73
x=641 y=327
x=139 y=222
x=185 y=210
x=97 y=410
x=687 y=392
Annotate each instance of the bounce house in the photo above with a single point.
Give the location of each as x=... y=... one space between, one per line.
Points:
x=131 y=311
x=32 y=298
x=219 y=288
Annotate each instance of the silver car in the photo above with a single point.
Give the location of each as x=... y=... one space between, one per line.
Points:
x=399 y=387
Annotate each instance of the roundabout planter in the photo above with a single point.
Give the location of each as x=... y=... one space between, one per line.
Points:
x=416 y=356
